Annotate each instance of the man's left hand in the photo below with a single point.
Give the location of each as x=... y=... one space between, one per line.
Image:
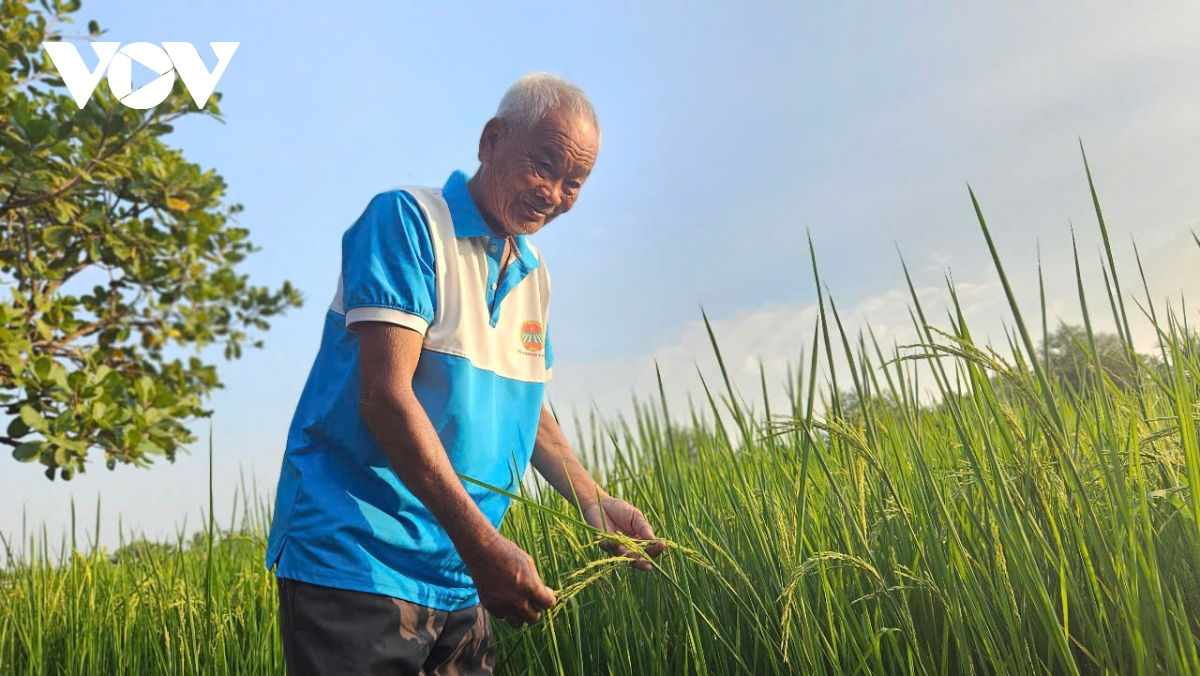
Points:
x=614 y=515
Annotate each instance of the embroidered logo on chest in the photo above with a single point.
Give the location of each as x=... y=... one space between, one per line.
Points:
x=533 y=338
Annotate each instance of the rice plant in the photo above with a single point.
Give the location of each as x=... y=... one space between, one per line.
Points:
x=1017 y=524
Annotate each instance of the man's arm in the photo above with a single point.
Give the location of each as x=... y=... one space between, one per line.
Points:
x=554 y=460
x=508 y=583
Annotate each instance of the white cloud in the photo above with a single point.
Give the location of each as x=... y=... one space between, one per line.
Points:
x=772 y=336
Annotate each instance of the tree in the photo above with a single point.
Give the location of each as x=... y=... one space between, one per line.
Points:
x=1068 y=356
x=119 y=257
x=141 y=551
x=882 y=404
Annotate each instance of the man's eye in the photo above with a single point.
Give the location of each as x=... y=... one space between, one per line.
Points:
x=544 y=167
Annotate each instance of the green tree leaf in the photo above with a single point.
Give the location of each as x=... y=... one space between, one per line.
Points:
x=33 y=419
x=28 y=451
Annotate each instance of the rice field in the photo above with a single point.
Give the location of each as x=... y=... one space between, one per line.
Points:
x=1017 y=526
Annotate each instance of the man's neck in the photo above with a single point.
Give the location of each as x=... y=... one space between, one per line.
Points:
x=475 y=190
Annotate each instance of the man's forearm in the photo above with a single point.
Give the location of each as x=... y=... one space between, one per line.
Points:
x=554 y=460
x=407 y=439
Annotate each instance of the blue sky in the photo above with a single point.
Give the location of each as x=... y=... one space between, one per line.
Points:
x=731 y=132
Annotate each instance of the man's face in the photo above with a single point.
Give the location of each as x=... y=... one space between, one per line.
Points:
x=531 y=178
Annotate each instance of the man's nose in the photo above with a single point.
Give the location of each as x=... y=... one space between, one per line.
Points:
x=552 y=193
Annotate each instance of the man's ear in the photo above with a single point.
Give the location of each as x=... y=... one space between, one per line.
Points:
x=490 y=140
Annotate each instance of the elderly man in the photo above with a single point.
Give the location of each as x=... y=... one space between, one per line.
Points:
x=433 y=362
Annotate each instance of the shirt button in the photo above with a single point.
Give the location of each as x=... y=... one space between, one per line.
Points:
x=494 y=248
x=493 y=287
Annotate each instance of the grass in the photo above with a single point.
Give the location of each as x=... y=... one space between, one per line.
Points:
x=1017 y=527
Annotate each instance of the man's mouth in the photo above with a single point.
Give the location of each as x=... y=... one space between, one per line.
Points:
x=534 y=213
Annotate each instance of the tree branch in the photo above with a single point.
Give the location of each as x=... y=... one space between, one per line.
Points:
x=13 y=190
x=100 y=157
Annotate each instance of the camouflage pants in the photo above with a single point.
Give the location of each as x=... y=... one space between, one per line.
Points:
x=330 y=631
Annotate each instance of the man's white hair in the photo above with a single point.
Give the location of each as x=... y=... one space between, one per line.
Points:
x=530 y=98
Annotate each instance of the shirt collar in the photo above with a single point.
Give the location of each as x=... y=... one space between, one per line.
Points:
x=468 y=221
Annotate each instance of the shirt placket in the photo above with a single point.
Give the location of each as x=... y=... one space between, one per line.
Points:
x=498 y=289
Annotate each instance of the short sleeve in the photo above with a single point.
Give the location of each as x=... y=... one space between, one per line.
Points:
x=388 y=269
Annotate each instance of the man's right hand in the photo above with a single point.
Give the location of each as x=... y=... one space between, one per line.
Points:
x=508 y=582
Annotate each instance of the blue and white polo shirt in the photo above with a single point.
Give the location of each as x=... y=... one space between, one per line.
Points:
x=424 y=259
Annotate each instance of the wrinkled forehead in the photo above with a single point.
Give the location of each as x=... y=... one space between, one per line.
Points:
x=563 y=127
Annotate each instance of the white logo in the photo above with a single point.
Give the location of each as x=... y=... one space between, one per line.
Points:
x=179 y=56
